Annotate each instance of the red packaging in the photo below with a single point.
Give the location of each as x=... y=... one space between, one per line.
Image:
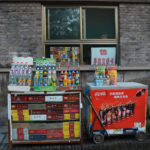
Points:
x=13 y=106
x=72 y=135
x=21 y=118
x=20 y=112
x=71 y=125
x=54 y=131
x=49 y=106
x=70 y=105
x=72 y=116
x=19 y=131
x=55 y=136
x=71 y=98
x=20 y=137
x=37 y=111
x=40 y=131
x=71 y=110
x=22 y=106
x=52 y=117
x=18 y=98
x=36 y=98
x=60 y=116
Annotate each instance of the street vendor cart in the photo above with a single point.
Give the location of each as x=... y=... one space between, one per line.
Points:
x=116 y=109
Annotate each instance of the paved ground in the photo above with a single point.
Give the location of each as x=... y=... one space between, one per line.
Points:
x=111 y=143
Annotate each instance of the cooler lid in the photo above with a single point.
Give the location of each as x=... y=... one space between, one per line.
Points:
x=120 y=85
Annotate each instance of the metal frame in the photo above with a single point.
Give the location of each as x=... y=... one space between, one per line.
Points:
x=82 y=40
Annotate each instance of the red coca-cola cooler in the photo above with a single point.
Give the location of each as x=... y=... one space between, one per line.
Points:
x=116 y=109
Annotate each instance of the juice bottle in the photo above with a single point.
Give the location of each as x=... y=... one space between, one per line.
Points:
x=65 y=80
x=113 y=75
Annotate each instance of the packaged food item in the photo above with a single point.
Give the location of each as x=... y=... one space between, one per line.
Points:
x=20 y=76
x=66 y=55
x=113 y=75
x=45 y=75
x=69 y=79
x=105 y=76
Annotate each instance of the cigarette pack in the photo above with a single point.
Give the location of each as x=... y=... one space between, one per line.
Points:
x=67 y=110
x=66 y=116
x=37 y=106
x=37 y=117
x=36 y=98
x=38 y=111
x=38 y=131
x=37 y=137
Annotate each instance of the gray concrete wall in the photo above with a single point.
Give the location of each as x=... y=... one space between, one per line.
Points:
x=20 y=31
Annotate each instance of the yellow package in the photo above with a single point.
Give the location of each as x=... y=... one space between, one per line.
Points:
x=76 y=115
x=14 y=112
x=66 y=116
x=25 y=112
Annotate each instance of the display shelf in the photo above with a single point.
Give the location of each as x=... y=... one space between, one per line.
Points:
x=44 y=121
x=46 y=115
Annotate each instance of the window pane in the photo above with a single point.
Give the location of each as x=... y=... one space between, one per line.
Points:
x=99 y=54
x=99 y=23
x=64 y=54
x=63 y=23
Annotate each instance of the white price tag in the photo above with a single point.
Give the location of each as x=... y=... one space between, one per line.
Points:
x=53 y=98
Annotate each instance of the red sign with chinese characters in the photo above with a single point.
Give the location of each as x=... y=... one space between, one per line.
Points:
x=119 y=108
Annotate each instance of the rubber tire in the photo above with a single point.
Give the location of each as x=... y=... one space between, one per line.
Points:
x=140 y=136
x=98 y=138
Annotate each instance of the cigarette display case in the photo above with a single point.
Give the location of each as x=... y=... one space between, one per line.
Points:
x=45 y=117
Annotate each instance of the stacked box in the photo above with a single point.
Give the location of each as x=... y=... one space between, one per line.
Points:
x=73 y=97
x=20 y=134
x=36 y=98
x=39 y=137
x=55 y=133
x=71 y=129
x=37 y=131
x=77 y=129
x=18 y=98
x=37 y=106
x=66 y=130
x=20 y=114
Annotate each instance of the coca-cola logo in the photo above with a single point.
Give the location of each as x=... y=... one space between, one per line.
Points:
x=100 y=94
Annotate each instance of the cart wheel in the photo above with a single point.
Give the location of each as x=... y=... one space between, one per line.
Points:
x=98 y=138
x=140 y=136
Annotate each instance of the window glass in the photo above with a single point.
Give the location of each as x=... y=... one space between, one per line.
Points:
x=99 y=23
x=63 y=23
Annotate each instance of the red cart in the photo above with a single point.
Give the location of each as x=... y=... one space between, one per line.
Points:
x=114 y=110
